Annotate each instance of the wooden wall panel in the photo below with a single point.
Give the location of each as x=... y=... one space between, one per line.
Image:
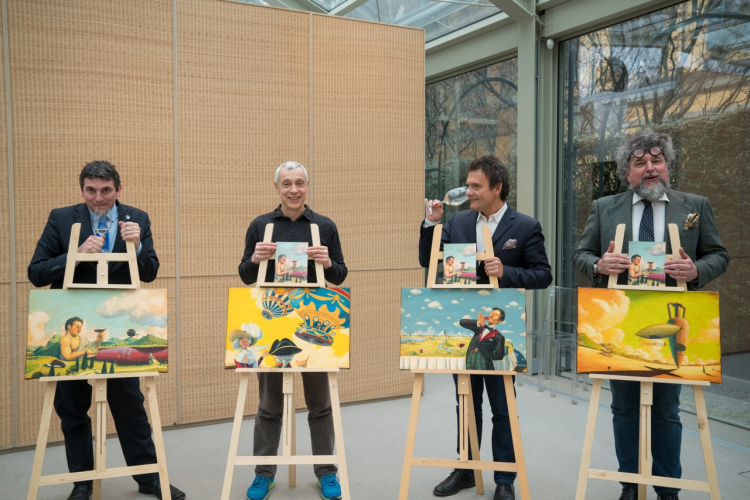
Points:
x=208 y=390
x=91 y=80
x=375 y=327
x=244 y=110
x=368 y=125
x=5 y=221
x=6 y=369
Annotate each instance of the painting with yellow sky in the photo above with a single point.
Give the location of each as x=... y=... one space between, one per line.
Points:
x=287 y=328
x=645 y=333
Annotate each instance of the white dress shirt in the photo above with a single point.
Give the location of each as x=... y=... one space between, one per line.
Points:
x=492 y=222
x=660 y=216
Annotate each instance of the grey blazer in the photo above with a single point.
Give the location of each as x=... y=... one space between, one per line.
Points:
x=702 y=243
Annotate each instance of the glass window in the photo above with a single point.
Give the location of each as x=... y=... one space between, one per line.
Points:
x=684 y=70
x=468 y=116
x=436 y=17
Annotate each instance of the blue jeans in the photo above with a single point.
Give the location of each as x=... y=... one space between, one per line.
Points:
x=666 y=429
x=502 y=441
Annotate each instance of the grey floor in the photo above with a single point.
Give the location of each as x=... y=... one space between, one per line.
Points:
x=552 y=431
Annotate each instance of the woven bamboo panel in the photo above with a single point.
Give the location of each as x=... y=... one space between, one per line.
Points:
x=208 y=390
x=6 y=369
x=5 y=272
x=91 y=79
x=244 y=110
x=368 y=109
x=375 y=326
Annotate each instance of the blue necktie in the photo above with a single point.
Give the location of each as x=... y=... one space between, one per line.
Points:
x=103 y=225
x=646 y=231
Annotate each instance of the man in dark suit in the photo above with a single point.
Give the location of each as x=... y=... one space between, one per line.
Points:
x=646 y=209
x=100 y=188
x=487 y=344
x=520 y=261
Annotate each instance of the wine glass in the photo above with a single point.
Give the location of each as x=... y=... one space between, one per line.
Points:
x=454 y=197
x=101 y=225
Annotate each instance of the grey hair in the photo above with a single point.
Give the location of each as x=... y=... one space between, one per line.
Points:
x=290 y=165
x=645 y=138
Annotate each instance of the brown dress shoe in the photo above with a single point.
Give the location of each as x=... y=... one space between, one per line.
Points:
x=454 y=483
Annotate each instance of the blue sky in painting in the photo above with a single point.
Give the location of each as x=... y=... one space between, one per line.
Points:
x=432 y=311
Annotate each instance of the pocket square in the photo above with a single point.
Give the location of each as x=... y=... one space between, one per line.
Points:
x=509 y=244
x=691 y=221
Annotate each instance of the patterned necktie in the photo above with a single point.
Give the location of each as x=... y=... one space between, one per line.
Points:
x=646 y=231
x=103 y=225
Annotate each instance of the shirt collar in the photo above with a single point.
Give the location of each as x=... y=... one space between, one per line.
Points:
x=307 y=214
x=637 y=198
x=493 y=218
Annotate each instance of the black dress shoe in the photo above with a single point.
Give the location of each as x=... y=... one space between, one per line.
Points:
x=629 y=492
x=155 y=489
x=454 y=483
x=668 y=496
x=82 y=492
x=504 y=492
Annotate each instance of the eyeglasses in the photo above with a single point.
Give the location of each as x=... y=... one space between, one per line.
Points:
x=641 y=152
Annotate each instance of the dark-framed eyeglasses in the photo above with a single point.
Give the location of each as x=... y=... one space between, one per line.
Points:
x=641 y=152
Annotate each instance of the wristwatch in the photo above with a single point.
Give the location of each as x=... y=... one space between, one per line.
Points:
x=596 y=268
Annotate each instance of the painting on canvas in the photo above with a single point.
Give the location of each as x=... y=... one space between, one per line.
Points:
x=647 y=259
x=463 y=329
x=645 y=333
x=459 y=264
x=290 y=262
x=94 y=332
x=287 y=327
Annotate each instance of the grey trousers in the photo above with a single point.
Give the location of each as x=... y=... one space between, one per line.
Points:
x=268 y=422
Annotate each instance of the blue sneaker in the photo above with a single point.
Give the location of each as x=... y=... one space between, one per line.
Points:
x=260 y=487
x=329 y=487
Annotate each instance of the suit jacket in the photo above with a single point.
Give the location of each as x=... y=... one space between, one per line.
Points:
x=490 y=348
x=702 y=243
x=524 y=266
x=47 y=266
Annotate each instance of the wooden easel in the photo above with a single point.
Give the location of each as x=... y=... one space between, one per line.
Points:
x=644 y=476
x=99 y=385
x=466 y=420
x=288 y=435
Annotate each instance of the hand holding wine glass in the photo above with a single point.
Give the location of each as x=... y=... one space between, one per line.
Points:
x=454 y=198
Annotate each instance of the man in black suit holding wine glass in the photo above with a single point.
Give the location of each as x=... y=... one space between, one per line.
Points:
x=101 y=213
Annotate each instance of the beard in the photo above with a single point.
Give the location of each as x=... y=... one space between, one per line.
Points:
x=652 y=193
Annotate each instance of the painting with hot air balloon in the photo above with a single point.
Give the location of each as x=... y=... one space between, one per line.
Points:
x=645 y=333
x=96 y=332
x=287 y=328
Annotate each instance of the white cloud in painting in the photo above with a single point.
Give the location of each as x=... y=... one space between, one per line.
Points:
x=434 y=305
x=36 y=334
x=415 y=291
x=145 y=307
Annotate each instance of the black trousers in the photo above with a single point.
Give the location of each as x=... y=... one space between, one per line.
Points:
x=72 y=402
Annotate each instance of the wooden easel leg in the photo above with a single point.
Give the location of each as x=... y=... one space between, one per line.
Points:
x=644 y=441
x=588 y=440
x=708 y=451
x=100 y=434
x=41 y=442
x=288 y=444
x=338 y=432
x=234 y=441
x=515 y=430
x=463 y=387
x=161 y=455
x=411 y=435
x=474 y=442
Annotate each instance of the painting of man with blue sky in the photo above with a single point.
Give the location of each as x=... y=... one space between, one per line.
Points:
x=432 y=335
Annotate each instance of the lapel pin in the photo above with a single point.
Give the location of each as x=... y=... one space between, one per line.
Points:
x=127 y=217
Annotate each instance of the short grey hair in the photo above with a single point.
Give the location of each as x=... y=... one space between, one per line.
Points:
x=645 y=139
x=290 y=165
